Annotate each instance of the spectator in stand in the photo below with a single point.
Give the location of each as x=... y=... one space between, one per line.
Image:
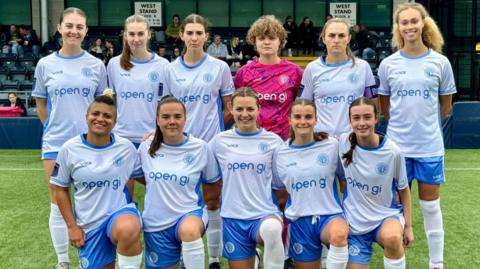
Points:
x=110 y=51
x=30 y=41
x=328 y=17
x=14 y=39
x=3 y=38
x=16 y=102
x=234 y=50
x=176 y=53
x=98 y=50
x=217 y=49
x=162 y=52
x=291 y=28
x=173 y=29
x=363 y=40
x=307 y=36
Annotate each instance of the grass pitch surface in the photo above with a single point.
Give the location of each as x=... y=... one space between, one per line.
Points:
x=24 y=208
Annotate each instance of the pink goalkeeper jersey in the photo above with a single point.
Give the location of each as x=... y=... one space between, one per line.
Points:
x=277 y=86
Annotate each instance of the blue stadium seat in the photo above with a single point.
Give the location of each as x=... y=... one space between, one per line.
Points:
x=466 y=125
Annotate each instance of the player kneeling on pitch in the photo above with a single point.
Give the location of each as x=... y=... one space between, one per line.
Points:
x=374 y=172
x=307 y=167
x=99 y=164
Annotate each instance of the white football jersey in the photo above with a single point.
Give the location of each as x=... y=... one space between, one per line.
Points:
x=69 y=84
x=245 y=161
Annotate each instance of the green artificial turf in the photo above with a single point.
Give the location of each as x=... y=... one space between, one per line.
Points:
x=24 y=208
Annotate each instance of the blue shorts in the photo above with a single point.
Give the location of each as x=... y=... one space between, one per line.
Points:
x=99 y=250
x=163 y=248
x=240 y=238
x=425 y=170
x=360 y=246
x=50 y=155
x=305 y=244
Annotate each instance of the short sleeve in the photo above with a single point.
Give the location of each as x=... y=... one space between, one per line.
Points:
x=384 y=88
x=211 y=172
x=39 y=89
x=400 y=172
x=102 y=80
x=306 y=87
x=277 y=183
x=227 y=87
x=61 y=174
x=447 y=85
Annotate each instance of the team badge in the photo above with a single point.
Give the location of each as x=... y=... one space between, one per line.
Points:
x=283 y=79
x=297 y=248
x=353 y=250
x=381 y=168
x=429 y=72
x=207 y=77
x=153 y=257
x=229 y=247
x=84 y=263
x=188 y=159
x=263 y=147
x=87 y=72
x=118 y=162
x=322 y=159
x=153 y=76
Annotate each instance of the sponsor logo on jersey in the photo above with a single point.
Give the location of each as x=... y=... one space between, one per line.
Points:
x=381 y=168
x=353 y=250
x=125 y=74
x=137 y=95
x=298 y=248
x=153 y=76
x=323 y=80
x=71 y=91
x=188 y=158
x=102 y=183
x=87 y=72
x=323 y=159
x=259 y=168
x=292 y=164
x=59 y=72
x=83 y=164
x=334 y=99
x=229 y=247
x=232 y=145
x=399 y=73
x=263 y=147
x=414 y=92
x=205 y=98
x=280 y=97
x=309 y=183
x=118 y=161
x=374 y=190
x=169 y=177
x=429 y=72
x=207 y=77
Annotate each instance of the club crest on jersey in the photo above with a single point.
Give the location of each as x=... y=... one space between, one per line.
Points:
x=429 y=72
x=298 y=248
x=381 y=168
x=353 y=250
x=263 y=147
x=283 y=79
x=322 y=159
x=229 y=247
x=207 y=77
x=153 y=257
x=84 y=263
x=153 y=76
x=353 y=77
x=118 y=162
x=188 y=159
x=87 y=72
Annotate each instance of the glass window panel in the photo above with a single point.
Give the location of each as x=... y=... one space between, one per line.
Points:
x=89 y=7
x=244 y=12
x=114 y=12
x=280 y=8
x=314 y=9
x=180 y=7
x=216 y=11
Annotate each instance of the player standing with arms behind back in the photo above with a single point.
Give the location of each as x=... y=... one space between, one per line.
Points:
x=65 y=83
x=416 y=88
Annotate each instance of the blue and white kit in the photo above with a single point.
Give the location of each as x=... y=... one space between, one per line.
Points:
x=137 y=92
x=201 y=88
x=414 y=85
x=69 y=84
x=333 y=87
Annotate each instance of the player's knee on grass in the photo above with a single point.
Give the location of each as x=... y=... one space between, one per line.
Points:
x=126 y=230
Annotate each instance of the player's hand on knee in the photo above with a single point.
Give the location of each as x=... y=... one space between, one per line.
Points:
x=77 y=236
x=408 y=237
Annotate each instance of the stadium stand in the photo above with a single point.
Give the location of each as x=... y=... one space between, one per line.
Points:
x=462 y=129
